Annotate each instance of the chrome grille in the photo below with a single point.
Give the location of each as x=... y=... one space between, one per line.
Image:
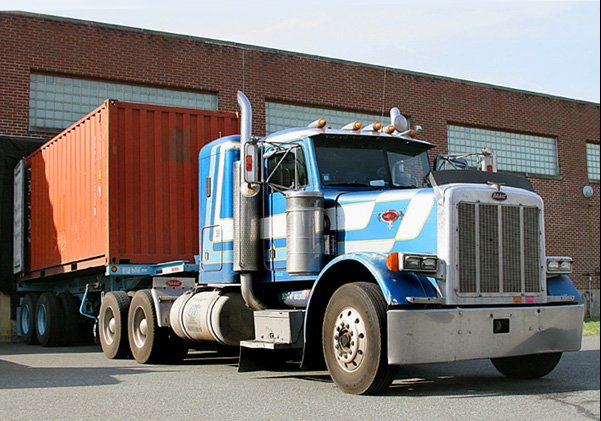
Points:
x=499 y=249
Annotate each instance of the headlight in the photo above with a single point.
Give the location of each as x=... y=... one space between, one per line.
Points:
x=429 y=264
x=412 y=262
x=559 y=265
x=425 y=263
x=566 y=267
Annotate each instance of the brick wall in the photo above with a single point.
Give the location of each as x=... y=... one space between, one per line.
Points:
x=30 y=43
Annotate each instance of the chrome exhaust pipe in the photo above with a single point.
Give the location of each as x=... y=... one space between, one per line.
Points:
x=246 y=213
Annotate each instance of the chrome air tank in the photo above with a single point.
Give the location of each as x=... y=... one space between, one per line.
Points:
x=304 y=232
x=212 y=315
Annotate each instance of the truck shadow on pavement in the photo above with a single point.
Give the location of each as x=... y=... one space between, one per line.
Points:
x=20 y=376
x=468 y=379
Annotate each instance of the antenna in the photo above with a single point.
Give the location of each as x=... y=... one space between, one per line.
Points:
x=243 y=71
x=383 y=94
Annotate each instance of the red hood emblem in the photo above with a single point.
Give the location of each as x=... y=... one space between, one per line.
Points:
x=390 y=216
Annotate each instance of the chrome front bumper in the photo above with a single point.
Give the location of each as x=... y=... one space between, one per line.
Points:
x=429 y=336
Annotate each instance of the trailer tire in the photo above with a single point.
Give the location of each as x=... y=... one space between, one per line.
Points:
x=146 y=339
x=48 y=320
x=527 y=366
x=354 y=339
x=28 y=319
x=112 y=325
x=71 y=319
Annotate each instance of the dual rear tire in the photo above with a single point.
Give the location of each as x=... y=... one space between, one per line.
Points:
x=49 y=319
x=131 y=328
x=112 y=325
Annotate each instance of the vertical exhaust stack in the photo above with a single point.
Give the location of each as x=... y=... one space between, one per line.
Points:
x=247 y=216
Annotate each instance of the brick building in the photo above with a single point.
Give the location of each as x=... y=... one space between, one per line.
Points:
x=54 y=70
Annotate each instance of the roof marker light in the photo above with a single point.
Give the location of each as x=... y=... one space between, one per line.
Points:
x=355 y=125
x=320 y=123
x=374 y=127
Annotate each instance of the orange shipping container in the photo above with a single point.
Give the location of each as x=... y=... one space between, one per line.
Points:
x=120 y=186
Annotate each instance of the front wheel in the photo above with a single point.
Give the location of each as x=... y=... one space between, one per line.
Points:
x=354 y=339
x=527 y=366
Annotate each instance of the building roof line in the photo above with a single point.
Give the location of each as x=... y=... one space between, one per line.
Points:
x=291 y=53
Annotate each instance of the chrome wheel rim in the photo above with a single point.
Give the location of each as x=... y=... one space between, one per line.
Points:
x=25 y=314
x=140 y=327
x=109 y=326
x=41 y=319
x=349 y=339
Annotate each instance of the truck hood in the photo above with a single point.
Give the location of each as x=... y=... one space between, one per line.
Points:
x=382 y=221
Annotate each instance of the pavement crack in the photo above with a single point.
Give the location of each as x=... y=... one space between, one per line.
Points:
x=579 y=407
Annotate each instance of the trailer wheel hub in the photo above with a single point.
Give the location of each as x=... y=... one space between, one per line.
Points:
x=349 y=339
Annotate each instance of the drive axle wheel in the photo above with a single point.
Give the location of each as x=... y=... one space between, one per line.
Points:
x=112 y=324
x=527 y=366
x=354 y=339
x=146 y=339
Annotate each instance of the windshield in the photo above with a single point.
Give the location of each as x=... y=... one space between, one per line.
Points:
x=371 y=162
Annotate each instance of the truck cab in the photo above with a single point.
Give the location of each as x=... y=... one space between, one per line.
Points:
x=347 y=241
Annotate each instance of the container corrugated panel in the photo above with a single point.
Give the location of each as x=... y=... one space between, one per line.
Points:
x=120 y=186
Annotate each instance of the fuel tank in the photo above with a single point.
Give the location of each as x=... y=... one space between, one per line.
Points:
x=212 y=315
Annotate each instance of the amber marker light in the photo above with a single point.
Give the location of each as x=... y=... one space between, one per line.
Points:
x=114 y=269
x=412 y=133
x=320 y=123
x=357 y=125
x=390 y=129
x=377 y=126
x=392 y=262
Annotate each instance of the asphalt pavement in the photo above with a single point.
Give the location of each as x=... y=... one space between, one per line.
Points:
x=80 y=383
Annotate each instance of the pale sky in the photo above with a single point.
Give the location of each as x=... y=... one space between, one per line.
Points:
x=550 y=47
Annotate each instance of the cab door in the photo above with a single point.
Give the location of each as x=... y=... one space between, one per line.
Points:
x=286 y=171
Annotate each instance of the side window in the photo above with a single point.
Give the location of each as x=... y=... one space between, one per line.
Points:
x=287 y=170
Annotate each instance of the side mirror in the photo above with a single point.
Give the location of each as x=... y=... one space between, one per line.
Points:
x=445 y=161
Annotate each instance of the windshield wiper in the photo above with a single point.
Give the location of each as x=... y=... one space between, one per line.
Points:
x=355 y=184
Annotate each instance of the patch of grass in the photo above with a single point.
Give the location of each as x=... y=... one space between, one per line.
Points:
x=591 y=327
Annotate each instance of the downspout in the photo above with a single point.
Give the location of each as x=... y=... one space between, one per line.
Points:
x=246 y=214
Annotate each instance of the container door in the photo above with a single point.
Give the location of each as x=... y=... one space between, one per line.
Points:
x=19 y=218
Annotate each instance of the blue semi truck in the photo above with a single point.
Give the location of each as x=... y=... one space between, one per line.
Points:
x=345 y=248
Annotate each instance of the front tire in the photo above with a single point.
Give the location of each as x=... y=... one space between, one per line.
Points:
x=112 y=325
x=527 y=366
x=354 y=339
